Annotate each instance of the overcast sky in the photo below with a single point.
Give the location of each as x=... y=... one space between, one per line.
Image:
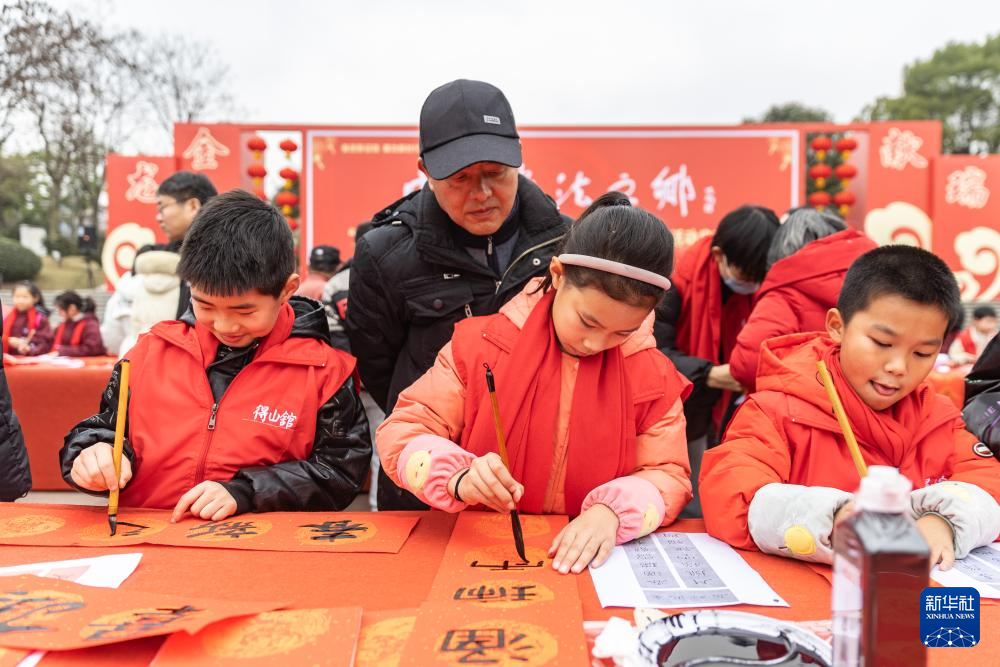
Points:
x=561 y=62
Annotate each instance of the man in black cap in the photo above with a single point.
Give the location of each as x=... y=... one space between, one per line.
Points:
x=324 y=262
x=462 y=246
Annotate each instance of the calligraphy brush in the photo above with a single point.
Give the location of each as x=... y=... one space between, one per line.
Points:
x=116 y=456
x=845 y=426
x=515 y=520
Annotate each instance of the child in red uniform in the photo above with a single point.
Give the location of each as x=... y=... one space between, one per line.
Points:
x=79 y=333
x=26 y=329
x=591 y=410
x=242 y=405
x=783 y=474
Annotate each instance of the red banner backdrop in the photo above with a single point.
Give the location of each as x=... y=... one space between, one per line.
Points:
x=966 y=195
x=132 y=182
x=689 y=176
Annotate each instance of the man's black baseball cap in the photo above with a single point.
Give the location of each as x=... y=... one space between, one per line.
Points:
x=465 y=122
x=324 y=258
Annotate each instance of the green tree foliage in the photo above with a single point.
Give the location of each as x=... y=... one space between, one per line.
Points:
x=22 y=196
x=792 y=112
x=17 y=262
x=958 y=85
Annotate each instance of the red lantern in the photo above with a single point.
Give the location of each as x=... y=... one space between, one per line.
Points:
x=289 y=147
x=844 y=200
x=257 y=173
x=293 y=223
x=820 y=172
x=819 y=200
x=845 y=173
x=290 y=175
x=257 y=145
x=286 y=200
x=260 y=194
x=845 y=146
x=821 y=145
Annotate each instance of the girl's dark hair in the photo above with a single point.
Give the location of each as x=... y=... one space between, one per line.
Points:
x=744 y=235
x=611 y=228
x=85 y=305
x=36 y=293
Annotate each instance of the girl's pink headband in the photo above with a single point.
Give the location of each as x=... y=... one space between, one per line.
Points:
x=616 y=268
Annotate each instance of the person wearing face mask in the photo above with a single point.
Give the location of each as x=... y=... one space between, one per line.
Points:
x=701 y=315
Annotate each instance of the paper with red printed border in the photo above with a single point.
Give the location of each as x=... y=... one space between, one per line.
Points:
x=331 y=532
x=315 y=637
x=51 y=614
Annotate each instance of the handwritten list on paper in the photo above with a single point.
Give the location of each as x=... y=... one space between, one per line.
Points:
x=680 y=570
x=979 y=570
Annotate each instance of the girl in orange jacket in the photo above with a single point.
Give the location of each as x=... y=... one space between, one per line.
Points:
x=591 y=410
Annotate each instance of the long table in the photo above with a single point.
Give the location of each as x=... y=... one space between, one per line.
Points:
x=399 y=581
x=49 y=401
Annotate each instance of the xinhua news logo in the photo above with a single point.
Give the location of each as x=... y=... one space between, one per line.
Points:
x=949 y=617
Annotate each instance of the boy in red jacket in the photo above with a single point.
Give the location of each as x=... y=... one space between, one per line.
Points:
x=244 y=405
x=783 y=475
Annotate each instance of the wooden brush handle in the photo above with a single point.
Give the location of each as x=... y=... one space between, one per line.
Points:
x=119 y=447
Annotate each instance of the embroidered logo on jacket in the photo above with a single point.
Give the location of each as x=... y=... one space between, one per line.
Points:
x=982 y=449
x=264 y=414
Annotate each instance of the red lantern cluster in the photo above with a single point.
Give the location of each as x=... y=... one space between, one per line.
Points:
x=822 y=172
x=256 y=171
x=287 y=199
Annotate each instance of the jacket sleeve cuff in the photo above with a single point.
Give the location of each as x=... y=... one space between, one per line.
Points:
x=242 y=492
x=427 y=464
x=795 y=521
x=973 y=513
x=636 y=501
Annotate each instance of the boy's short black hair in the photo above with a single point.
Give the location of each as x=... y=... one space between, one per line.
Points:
x=982 y=312
x=186 y=185
x=238 y=243
x=905 y=271
x=744 y=236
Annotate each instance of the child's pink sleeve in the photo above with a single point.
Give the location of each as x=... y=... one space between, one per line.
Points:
x=427 y=464
x=416 y=442
x=636 y=501
x=656 y=492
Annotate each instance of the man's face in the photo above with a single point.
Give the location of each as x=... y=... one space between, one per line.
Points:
x=478 y=198
x=240 y=319
x=888 y=348
x=175 y=216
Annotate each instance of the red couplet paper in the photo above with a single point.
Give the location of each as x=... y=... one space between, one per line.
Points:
x=333 y=532
x=327 y=637
x=383 y=636
x=51 y=614
x=487 y=606
x=529 y=636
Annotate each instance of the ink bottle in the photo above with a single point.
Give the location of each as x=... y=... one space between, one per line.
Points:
x=880 y=567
